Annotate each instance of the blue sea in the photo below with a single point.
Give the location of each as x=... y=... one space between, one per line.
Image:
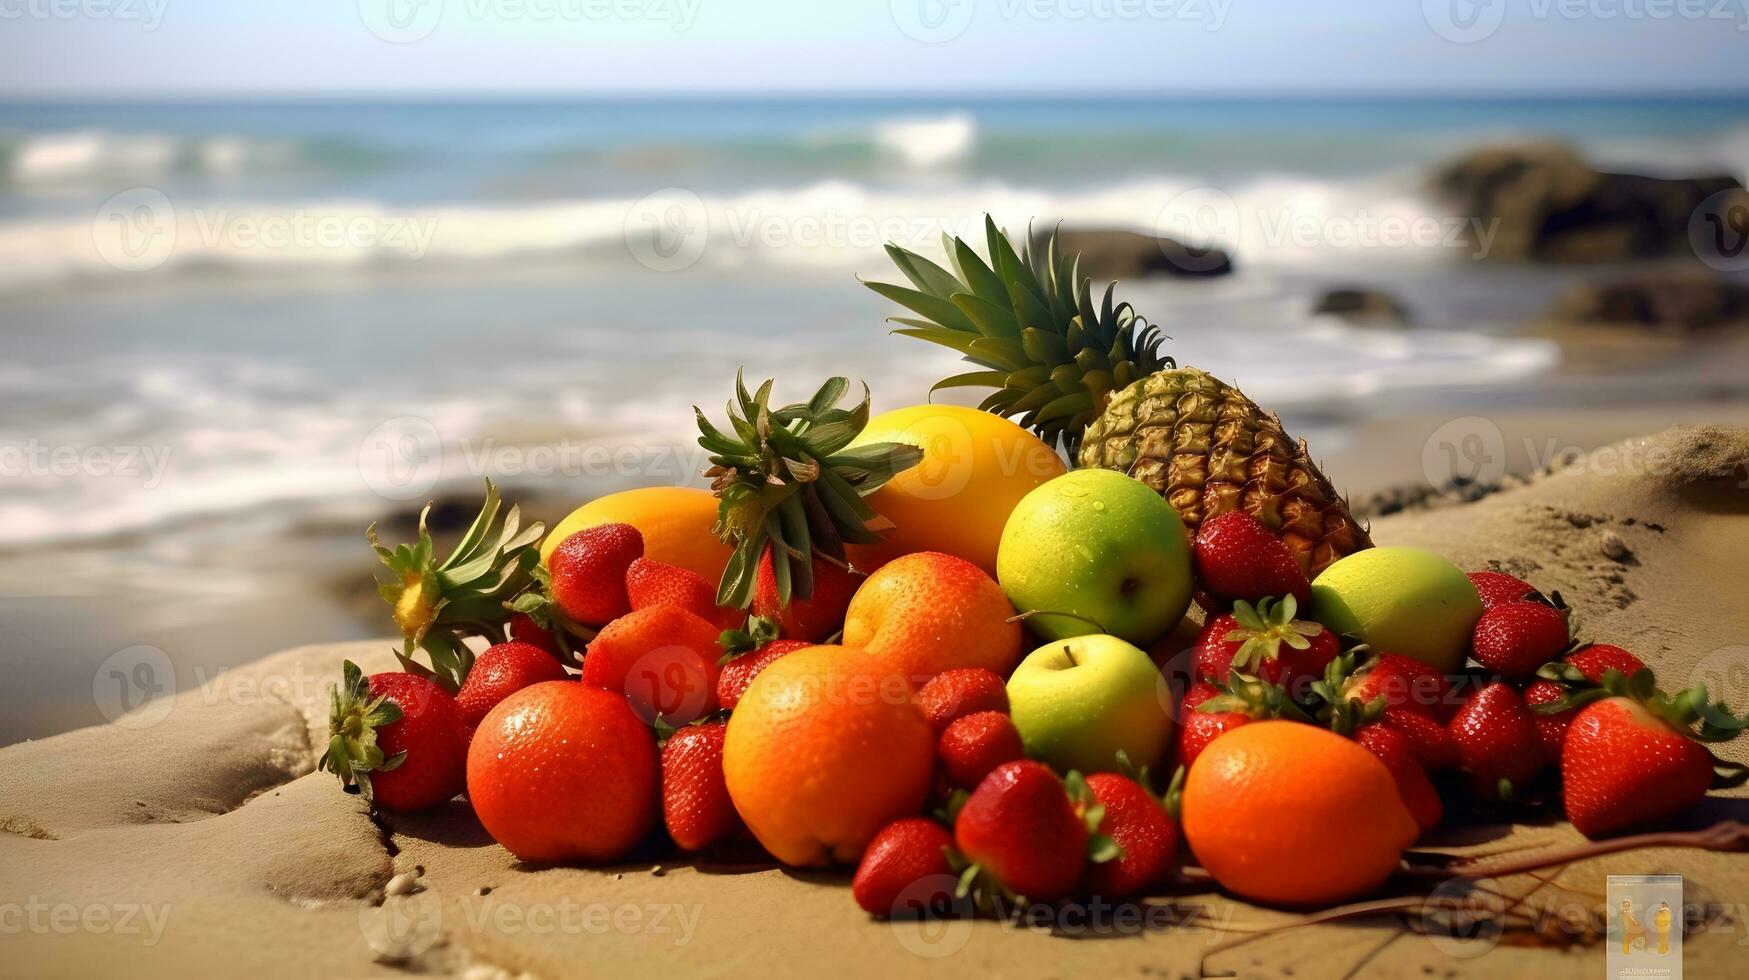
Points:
x=227 y=322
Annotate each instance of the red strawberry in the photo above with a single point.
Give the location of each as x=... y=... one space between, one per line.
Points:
x=955 y=693
x=1209 y=711
x=1513 y=639
x=588 y=572
x=974 y=744
x=1497 y=741
x=501 y=671
x=1144 y=832
x=398 y=737
x=1021 y=829
x=654 y=583
x=739 y=672
x=1393 y=749
x=523 y=629
x=1551 y=727
x=1593 y=659
x=1402 y=682
x=1623 y=766
x=815 y=618
x=1497 y=588
x=905 y=870
x=1267 y=642
x=695 y=801
x=1238 y=558
x=1427 y=738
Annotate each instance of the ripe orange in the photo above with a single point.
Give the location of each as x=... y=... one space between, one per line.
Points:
x=821 y=753
x=928 y=612
x=1292 y=814
x=675 y=522
x=976 y=466
x=560 y=771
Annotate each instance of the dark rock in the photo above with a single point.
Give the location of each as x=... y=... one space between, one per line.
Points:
x=1669 y=303
x=1112 y=254
x=1544 y=203
x=1372 y=307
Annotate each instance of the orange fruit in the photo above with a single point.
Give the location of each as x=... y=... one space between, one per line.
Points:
x=925 y=613
x=976 y=466
x=675 y=522
x=663 y=659
x=560 y=771
x=1292 y=814
x=821 y=753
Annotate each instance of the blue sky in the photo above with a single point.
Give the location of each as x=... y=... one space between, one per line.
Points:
x=220 y=48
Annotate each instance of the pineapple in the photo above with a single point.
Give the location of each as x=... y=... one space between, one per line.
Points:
x=788 y=480
x=1091 y=380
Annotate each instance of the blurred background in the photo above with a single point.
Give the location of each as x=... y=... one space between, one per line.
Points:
x=269 y=272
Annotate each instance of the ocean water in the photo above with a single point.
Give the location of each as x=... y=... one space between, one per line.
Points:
x=242 y=294
x=226 y=323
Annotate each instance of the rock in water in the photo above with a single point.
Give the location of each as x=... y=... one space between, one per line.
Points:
x=1670 y=303
x=1544 y=203
x=1111 y=254
x=1371 y=307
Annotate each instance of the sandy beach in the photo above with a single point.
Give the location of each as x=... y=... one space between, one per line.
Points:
x=194 y=838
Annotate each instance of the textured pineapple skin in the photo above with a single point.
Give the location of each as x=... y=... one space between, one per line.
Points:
x=1208 y=449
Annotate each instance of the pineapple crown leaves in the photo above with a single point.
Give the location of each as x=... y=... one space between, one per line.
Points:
x=788 y=478
x=1255 y=698
x=353 y=719
x=438 y=604
x=1263 y=629
x=1030 y=321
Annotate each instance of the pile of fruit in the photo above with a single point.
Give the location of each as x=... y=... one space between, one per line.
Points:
x=825 y=655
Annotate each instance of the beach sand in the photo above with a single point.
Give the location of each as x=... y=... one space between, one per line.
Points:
x=199 y=841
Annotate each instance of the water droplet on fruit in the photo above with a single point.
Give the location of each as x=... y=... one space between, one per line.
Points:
x=1099 y=505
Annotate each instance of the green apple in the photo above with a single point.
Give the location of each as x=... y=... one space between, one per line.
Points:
x=1400 y=600
x=1078 y=702
x=1101 y=548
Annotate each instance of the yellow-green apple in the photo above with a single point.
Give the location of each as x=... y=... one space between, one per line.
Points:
x=1078 y=702
x=1400 y=600
x=1094 y=551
